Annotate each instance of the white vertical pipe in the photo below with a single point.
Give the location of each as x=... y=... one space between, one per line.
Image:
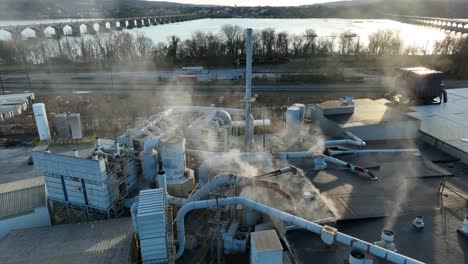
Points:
x=248 y=93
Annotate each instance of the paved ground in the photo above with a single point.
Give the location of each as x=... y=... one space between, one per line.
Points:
x=14 y=164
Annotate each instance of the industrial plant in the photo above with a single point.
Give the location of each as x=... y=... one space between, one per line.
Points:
x=208 y=184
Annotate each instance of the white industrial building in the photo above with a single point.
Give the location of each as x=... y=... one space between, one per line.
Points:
x=23 y=205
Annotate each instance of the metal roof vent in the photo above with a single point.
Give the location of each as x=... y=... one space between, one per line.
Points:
x=464 y=229
x=418 y=222
x=357 y=256
x=387 y=239
x=347 y=100
x=320 y=163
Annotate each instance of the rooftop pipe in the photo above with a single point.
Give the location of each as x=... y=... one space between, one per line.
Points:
x=329 y=235
x=231 y=179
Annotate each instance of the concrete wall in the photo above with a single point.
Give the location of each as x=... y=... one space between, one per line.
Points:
x=36 y=218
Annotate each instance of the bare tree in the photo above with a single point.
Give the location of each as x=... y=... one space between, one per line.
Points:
x=173 y=47
x=385 y=42
x=268 y=37
x=310 y=46
x=144 y=45
x=232 y=38
x=446 y=46
x=282 y=44
x=348 y=43
x=297 y=42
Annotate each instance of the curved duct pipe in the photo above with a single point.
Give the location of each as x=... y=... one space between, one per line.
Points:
x=350 y=166
x=299 y=154
x=101 y=152
x=276 y=155
x=218 y=120
x=229 y=179
x=204 y=169
x=150 y=166
x=278 y=172
x=324 y=231
x=333 y=152
x=188 y=109
x=344 y=142
x=225 y=116
x=223 y=113
x=354 y=137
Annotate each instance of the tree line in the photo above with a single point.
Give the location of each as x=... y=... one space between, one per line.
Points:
x=206 y=48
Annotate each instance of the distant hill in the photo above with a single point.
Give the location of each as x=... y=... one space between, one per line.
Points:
x=33 y=9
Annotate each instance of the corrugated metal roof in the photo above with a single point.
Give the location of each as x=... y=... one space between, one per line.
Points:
x=266 y=240
x=98 y=242
x=22 y=196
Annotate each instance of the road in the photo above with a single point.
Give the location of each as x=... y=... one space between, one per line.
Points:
x=148 y=82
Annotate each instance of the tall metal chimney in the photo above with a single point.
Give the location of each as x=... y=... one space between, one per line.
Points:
x=248 y=138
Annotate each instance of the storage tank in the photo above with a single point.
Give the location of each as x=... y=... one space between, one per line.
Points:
x=173 y=156
x=302 y=108
x=74 y=120
x=293 y=122
x=41 y=121
x=62 y=126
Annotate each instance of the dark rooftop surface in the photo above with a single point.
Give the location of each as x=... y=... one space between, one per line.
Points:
x=368 y=112
x=408 y=186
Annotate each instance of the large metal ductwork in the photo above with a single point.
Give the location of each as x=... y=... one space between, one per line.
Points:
x=229 y=158
x=231 y=179
x=150 y=165
x=345 y=142
x=328 y=234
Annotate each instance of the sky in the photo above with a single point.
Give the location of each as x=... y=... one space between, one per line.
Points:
x=253 y=2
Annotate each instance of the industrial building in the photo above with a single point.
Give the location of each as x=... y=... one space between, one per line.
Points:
x=12 y=105
x=344 y=181
x=23 y=205
x=95 y=242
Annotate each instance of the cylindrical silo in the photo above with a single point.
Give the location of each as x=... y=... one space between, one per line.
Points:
x=173 y=156
x=302 y=109
x=293 y=122
x=42 y=124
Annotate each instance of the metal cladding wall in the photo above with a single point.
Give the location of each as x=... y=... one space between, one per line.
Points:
x=74 y=120
x=75 y=180
x=151 y=221
x=41 y=121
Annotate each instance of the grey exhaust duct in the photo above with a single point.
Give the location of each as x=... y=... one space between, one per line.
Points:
x=328 y=234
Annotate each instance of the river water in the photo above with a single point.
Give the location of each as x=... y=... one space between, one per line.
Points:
x=412 y=35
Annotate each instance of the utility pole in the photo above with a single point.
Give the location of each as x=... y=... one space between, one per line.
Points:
x=218 y=231
x=1 y=85
x=248 y=137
